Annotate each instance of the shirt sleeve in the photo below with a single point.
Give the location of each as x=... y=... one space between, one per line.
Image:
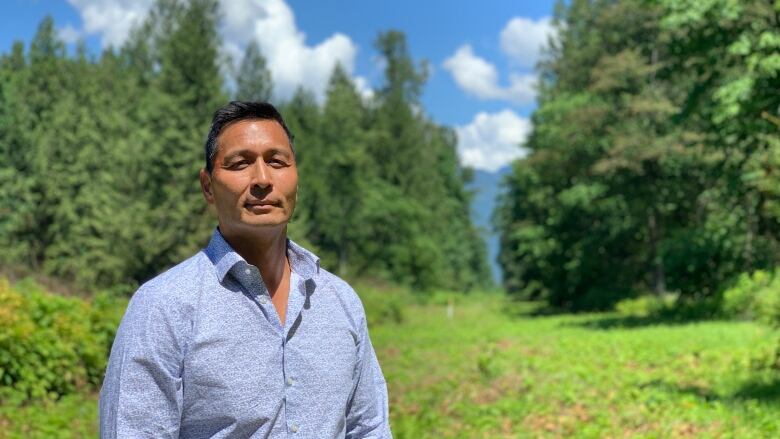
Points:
x=141 y=395
x=367 y=412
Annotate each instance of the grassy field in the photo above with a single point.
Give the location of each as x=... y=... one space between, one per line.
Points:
x=494 y=370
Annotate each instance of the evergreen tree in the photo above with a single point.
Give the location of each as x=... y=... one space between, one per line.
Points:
x=253 y=79
x=17 y=200
x=36 y=163
x=101 y=157
x=417 y=160
x=341 y=173
x=303 y=118
x=643 y=163
x=180 y=102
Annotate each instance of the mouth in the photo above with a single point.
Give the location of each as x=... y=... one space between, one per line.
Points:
x=260 y=204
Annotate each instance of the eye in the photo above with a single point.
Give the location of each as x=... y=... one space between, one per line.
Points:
x=277 y=163
x=237 y=165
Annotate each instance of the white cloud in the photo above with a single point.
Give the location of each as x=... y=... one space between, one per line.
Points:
x=492 y=140
x=521 y=41
x=363 y=88
x=69 y=34
x=111 y=19
x=291 y=61
x=479 y=78
x=523 y=38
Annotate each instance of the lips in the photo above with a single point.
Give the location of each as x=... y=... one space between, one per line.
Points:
x=260 y=203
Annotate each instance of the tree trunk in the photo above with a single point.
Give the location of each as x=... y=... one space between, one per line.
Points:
x=343 y=246
x=343 y=262
x=752 y=231
x=658 y=273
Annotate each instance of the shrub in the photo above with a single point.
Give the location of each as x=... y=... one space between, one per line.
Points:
x=738 y=300
x=487 y=363
x=383 y=304
x=754 y=296
x=646 y=305
x=52 y=345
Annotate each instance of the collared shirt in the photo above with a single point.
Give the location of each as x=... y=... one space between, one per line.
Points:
x=202 y=353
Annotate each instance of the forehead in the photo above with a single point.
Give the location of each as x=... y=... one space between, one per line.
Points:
x=253 y=133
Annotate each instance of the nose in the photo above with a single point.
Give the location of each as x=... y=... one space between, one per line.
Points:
x=262 y=175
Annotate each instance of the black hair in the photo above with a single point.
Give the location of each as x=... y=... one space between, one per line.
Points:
x=234 y=112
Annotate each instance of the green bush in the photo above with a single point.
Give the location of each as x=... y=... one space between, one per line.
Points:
x=52 y=345
x=646 y=305
x=383 y=304
x=754 y=296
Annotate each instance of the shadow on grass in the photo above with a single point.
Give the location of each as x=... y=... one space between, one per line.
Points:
x=763 y=390
x=602 y=321
x=671 y=314
x=530 y=309
x=679 y=312
x=630 y=322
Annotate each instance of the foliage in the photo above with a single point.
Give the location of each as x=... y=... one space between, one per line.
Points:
x=754 y=296
x=253 y=80
x=652 y=155
x=100 y=160
x=51 y=345
x=383 y=305
x=645 y=306
x=573 y=372
x=382 y=194
x=490 y=372
x=72 y=416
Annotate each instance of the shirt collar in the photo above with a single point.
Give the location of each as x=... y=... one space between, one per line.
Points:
x=303 y=262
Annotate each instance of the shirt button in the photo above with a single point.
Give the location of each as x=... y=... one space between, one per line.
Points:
x=263 y=300
x=289 y=381
x=294 y=428
x=248 y=271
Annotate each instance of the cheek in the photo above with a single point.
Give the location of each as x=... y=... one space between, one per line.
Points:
x=291 y=186
x=228 y=192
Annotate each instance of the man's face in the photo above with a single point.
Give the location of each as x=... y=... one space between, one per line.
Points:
x=254 y=181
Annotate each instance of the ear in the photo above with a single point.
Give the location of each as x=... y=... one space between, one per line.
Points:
x=205 y=186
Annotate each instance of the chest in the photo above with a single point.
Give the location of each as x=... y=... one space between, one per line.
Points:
x=243 y=369
x=280 y=297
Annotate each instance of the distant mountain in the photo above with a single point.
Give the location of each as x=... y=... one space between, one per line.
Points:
x=486 y=185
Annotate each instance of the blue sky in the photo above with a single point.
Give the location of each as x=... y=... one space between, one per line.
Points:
x=480 y=54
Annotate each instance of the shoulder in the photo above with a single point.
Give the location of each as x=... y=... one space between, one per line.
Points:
x=342 y=291
x=333 y=288
x=176 y=287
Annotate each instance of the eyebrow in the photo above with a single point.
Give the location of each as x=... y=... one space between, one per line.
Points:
x=234 y=154
x=281 y=151
x=240 y=152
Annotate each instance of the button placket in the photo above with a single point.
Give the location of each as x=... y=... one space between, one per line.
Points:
x=262 y=296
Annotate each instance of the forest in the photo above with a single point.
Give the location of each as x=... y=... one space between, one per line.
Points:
x=101 y=157
x=653 y=161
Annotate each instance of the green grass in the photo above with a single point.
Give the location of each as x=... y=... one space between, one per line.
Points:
x=72 y=416
x=494 y=370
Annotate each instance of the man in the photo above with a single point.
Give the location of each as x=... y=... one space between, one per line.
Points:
x=249 y=337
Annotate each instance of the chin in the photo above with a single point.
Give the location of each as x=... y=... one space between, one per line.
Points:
x=265 y=222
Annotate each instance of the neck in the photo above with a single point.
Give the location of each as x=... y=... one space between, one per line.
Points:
x=266 y=251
